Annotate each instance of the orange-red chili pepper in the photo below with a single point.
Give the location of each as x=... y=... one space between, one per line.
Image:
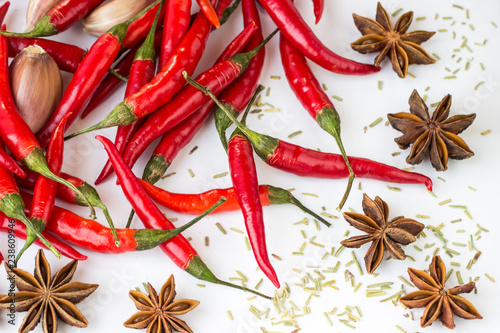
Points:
x=208 y=10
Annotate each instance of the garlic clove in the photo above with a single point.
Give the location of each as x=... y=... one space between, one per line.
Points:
x=36 y=84
x=36 y=10
x=114 y=12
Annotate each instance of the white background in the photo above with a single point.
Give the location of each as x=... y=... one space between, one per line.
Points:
x=362 y=103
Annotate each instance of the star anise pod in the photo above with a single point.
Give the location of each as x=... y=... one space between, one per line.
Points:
x=47 y=297
x=384 y=235
x=158 y=314
x=438 y=302
x=436 y=135
x=402 y=48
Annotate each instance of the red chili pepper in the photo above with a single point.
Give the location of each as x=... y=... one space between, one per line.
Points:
x=178 y=248
x=13 y=226
x=208 y=10
x=60 y=18
x=319 y=6
x=187 y=101
x=14 y=131
x=292 y=25
x=311 y=95
x=139 y=28
x=175 y=27
x=198 y=203
x=166 y=83
x=9 y=163
x=66 y=56
x=244 y=177
x=45 y=189
x=312 y=163
x=239 y=93
x=3 y=11
x=93 y=236
x=141 y=72
x=177 y=138
x=88 y=76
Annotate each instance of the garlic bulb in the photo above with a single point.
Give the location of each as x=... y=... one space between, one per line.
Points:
x=36 y=10
x=114 y=12
x=36 y=85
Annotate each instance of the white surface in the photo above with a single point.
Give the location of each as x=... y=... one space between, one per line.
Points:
x=362 y=103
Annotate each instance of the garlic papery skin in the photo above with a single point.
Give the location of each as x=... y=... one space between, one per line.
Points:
x=114 y=12
x=36 y=84
x=36 y=10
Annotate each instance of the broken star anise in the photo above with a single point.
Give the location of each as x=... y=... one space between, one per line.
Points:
x=383 y=234
x=436 y=135
x=158 y=313
x=438 y=302
x=402 y=48
x=47 y=297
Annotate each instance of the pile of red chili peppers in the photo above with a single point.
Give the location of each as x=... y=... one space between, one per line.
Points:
x=158 y=103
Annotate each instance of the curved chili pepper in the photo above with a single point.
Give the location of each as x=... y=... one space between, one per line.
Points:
x=15 y=133
x=9 y=225
x=208 y=10
x=88 y=76
x=199 y=202
x=175 y=27
x=9 y=163
x=66 y=56
x=60 y=18
x=174 y=140
x=140 y=27
x=314 y=99
x=178 y=248
x=45 y=189
x=244 y=177
x=292 y=25
x=187 y=101
x=319 y=6
x=3 y=11
x=166 y=83
x=312 y=163
x=93 y=236
x=141 y=72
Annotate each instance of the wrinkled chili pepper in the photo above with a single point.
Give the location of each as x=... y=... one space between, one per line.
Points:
x=66 y=56
x=312 y=163
x=60 y=18
x=199 y=202
x=15 y=133
x=311 y=95
x=319 y=6
x=9 y=163
x=178 y=137
x=88 y=76
x=93 y=236
x=178 y=248
x=292 y=25
x=10 y=225
x=187 y=101
x=239 y=93
x=175 y=27
x=166 y=83
x=45 y=189
x=3 y=11
x=141 y=72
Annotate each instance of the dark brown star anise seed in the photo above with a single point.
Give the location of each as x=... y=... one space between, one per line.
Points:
x=47 y=297
x=402 y=48
x=383 y=234
x=438 y=302
x=159 y=313
x=435 y=136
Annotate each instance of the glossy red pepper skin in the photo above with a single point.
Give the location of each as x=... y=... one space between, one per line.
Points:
x=177 y=138
x=209 y=11
x=292 y=25
x=244 y=177
x=175 y=27
x=8 y=224
x=9 y=163
x=66 y=56
x=3 y=11
x=239 y=93
x=319 y=6
x=139 y=28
